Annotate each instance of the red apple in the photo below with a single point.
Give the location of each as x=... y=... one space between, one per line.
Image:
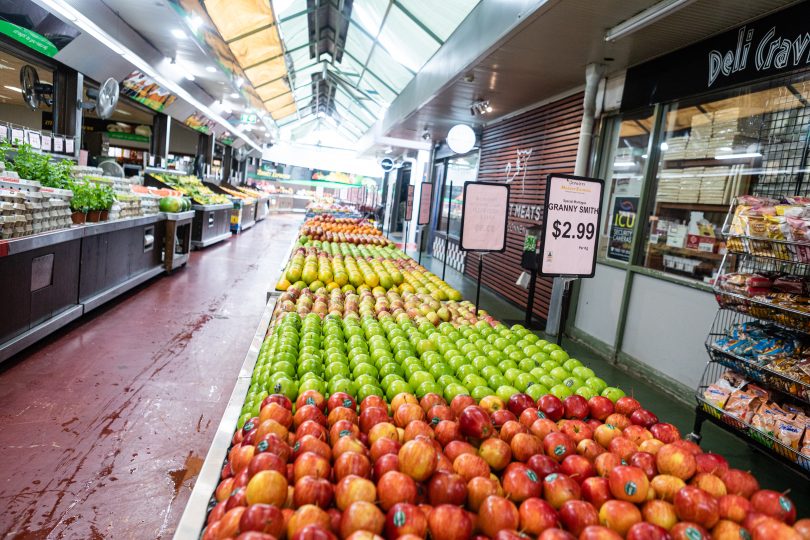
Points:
x=619 y=515
x=695 y=505
x=475 y=422
x=770 y=528
x=628 y=483
x=508 y=534
x=418 y=458
x=229 y=523
x=600 y=407
x=313 y=532
x=510 y=429
x=361 y=516
x=352 y=463
x=388 y=462
x=774 y=504
x=709 y=462
x=341 y=413
x=384 y=446
x=709 y=483
x=676 y=461
x=310 y=397
x=224 y=489
x=690 y=446
x=469 y=466
x=604 y=463
x=543 y=465
x=645 y=462
x=589 y=449
x=403 y=398
x=537 y=515
x=264 y=518
x=606 y=433
x=541 y=427
x=520 y=482
x=266 y=462
x=447 y=488
x=576 y=515
x=575 y=407
x=497 y=513
x=519 y=402
x=308 y=514
x=371 y=416
x=647 y=531
x=686 y=530
x=502 y=416
x=395 y=487
x=733 y=507
x=372 y=401
x=418 y=428
x=637 y=434
x=739 y=483
x=623 y=447
x=492 y=404
x=312 y=490
x=237 y=498
x=551 y=406
x=311 y=443
x=444 y=465
x=660 y=513
x=577 y=467
x=352 y=489
x=729 y=530
x=404 y=518
x=596 y=491
x=340 y=399
x=558 y=488
x=218 y=511
x=239 y=457
x=407 y=413
x=598 y=532
x=524 y=446
x=803 y=528
x=311 y=464
x=529 y=415
x=456 y=448
x=448 y=522
x=308 y=412
x=558 y=446
x=281 y=399
x=478 y=489
x=430 y=400
x=651 y=446
x=618 y=420
x=311 y=427
x=461 y=402
x=496 y=453
x=447 y=431
x=643 y=417
x=272 y=411
x=666 y=486
x=626 y=405
x=437 y=413
x=664 y=432
x=577 y=430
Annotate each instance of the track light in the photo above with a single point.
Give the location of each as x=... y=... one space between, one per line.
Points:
x=480 y=108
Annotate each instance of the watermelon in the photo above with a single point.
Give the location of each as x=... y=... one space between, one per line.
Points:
x=171 y=204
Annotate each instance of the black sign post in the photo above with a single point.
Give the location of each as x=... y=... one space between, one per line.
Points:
x=425 y=207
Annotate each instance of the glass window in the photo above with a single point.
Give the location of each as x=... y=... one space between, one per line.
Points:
x=751 y=142
x=441 y=17
x=625 y=170
x=460 y=170
x=405 y=41
x=389 y=71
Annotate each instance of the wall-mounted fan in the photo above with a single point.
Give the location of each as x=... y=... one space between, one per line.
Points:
x=111 y=168
x=34 y=92
x=103 y=100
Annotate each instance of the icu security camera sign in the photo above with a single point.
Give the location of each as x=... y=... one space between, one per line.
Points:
x=571 y=226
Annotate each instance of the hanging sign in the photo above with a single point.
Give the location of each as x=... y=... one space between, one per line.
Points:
x=58 y=145
x=69 y=145
x=425 y=200
x=17 y=136
x=571 y=225
x=409 y=203
x=387 y=164
x=483 y=216
x=46 y=143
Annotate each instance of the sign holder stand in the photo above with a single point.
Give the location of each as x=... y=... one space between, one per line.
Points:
x=405 y=239
x=478 y=285
x=447 y=231
x=566 y=299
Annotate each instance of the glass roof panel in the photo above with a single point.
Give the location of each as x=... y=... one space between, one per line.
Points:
x=295 y=32
x=266 y=72
x=358 y=44
x=279 y=102
x=442 y=18
x=281 y=113
x=303 y=94
x=256 y=47
x=287 y=8
x=235 y=18
x=369 y=14
x=376 y=90
x=405 y=41
x=275 y=88
x=364 y=115
x=388 y=70
x=299 y=58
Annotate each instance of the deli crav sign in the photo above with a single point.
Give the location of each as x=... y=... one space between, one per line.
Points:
x=770 y=46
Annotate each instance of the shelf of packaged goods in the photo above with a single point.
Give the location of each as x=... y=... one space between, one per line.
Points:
x=706 y=162
x=777 y=250
x=760 y=440
x=719 y=208
x=657 y=249
x=761 y=373
x=789 y=318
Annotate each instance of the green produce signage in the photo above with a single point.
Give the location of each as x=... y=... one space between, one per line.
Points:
x=29 y=38
x=127 y=136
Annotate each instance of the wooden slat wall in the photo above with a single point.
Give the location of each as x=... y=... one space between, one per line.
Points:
x=552 y=131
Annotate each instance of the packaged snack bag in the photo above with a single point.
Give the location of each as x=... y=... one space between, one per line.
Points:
x=716 y=395
x=788 y=433
x=742 y=405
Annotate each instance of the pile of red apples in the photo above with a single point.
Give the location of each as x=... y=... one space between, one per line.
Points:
x=324 y=469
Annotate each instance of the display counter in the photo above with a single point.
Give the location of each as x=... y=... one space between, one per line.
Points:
x=243 y=215
x=300 y=203
x=279 y=202
x=262 y=207
x=51 y=279
x=211 y=224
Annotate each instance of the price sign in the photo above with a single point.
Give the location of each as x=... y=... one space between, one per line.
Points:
x=34 y=140
x=17 y=136
x=46 y=143
x=68 y=146
x=3 y=133
x=483 y=216
x=571 y=225
x=425 y=200
x=58 y=145
x=409 y=203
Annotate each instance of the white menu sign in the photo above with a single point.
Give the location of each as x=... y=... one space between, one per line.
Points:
x=69 y=146
x=46 y=143
x=425 y=198
x=58 y=145
x=571 y=226
x=483 y=216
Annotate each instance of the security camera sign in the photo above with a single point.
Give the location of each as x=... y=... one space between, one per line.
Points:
x=571 y=226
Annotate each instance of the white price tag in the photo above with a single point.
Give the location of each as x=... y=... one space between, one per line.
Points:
x=68 y=146
x=58 y=145
x=46 y=143
x=571 y=226
x=708 y=247
x=34 y=140
x=17 y=136
x=3 y=133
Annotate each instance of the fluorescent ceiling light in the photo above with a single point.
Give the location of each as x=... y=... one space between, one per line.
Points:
x=623 y=164
x=210 y=69
x=738 y=156
x=189 y=76
x=13 y=88
x=179 y=33
x=645 y=18
x=234 y=95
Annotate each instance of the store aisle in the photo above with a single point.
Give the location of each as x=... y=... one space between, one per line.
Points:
x=105 y=425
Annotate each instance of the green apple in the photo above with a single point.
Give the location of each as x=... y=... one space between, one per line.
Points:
x=284 y=367
x=429 y=387
x=367 y=390
x=439 y=369
x=548 y=365
x=489 y=371
x=420 y=377
x=531 y=350
x=572 y=363
x=560 y=391
x=454 y=390
x=337 y=368
x=480 y=392
x=524 y=381
x=550 y=347
x=388 y=379
x=510 y=349
x=502 y=343
x=505 y=392
x=480 y=362
x=559 y=373
x=398 y=387
x=446 y=380
x=535 y=391
x=456 y=362
x=585 y=392
x=596 y=384
x=288 y=387
x=527 y=364
x=390 y=367
x=464 y=370
x=583 y=372
x=496 y=381
x=512 y=374
x=313 y=384
x=613 y=393
x=366 y=379
x=506 y=365
x=549 y=380
x=573 y=382
x=559 y=355
x=365 y=369
x=517 y=356
x=538 y=372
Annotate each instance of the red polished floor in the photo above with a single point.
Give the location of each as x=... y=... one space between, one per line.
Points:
x=104 y=426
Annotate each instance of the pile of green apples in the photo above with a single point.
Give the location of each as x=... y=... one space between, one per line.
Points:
x=385 y=357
